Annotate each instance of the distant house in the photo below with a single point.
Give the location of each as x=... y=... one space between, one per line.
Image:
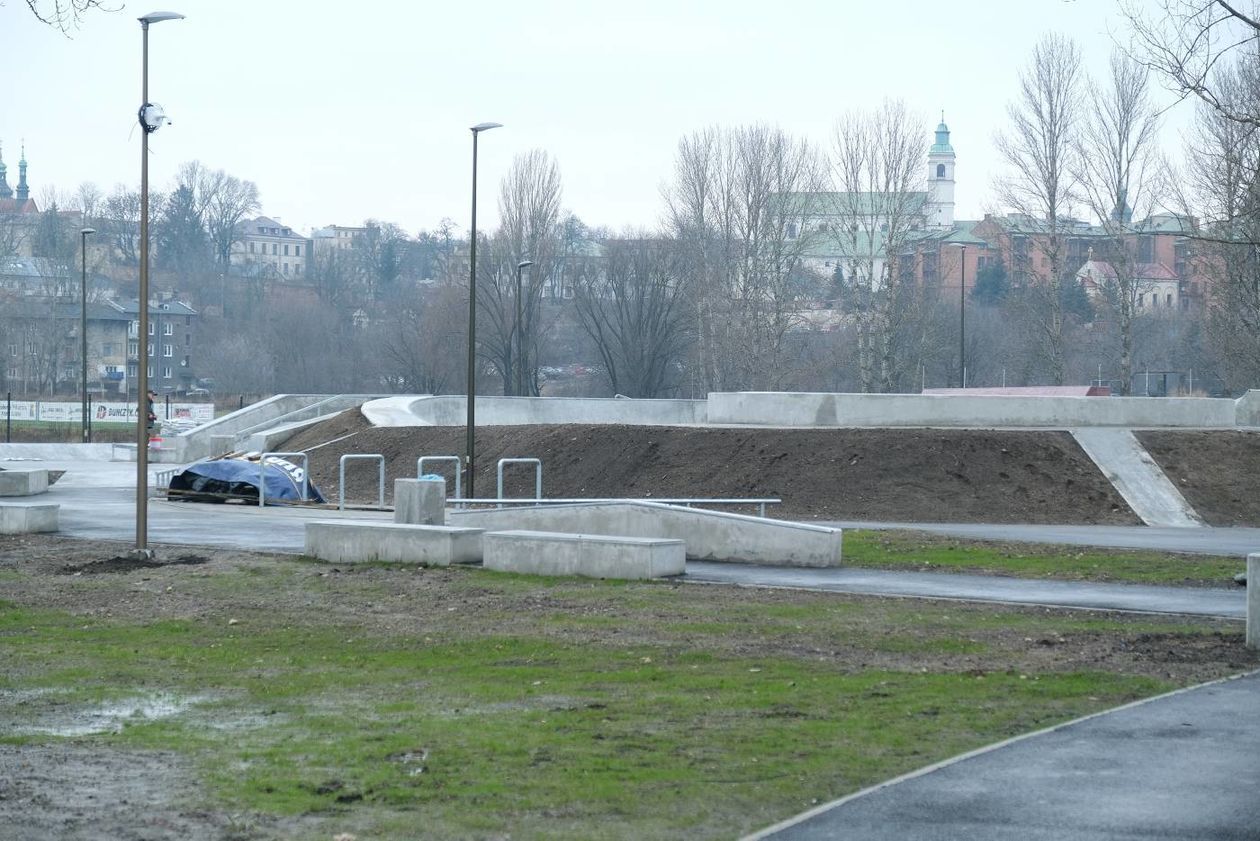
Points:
x=1156 y=286
x=266 y=246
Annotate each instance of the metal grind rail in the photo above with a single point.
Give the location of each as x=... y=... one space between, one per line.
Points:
x=341 y=477
x=537 y=462
x=688 y=502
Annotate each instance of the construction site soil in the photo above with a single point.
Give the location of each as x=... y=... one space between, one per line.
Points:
x=1217 y=471
x=890 y=475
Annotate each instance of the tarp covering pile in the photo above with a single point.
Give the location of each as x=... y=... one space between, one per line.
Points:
x=238 y=477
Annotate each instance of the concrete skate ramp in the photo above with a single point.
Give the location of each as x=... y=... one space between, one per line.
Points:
x=13 y=455
x=429 y=410
x=1136 y=476
x=709 y=535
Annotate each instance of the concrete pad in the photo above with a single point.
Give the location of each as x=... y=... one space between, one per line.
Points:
x=709 y=535
x=1136 y=477
x=420 y=501
x=352 y=541
x=23 y=482
x=1253 y=600
x=28 y=517
x=591 y=556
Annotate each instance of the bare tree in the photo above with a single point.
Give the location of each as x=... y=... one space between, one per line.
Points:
x=230 y=202
x=1039 y=149
x=422 y=348
x=1117 y=170
x=63 y=14
x=120 y=223
x=879 y=160
x=1189 y=42
x=635 y=312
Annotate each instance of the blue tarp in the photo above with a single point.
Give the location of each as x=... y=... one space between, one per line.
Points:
x=221 y=478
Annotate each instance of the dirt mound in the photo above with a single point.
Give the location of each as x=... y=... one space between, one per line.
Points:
x=1215 y=471
x=899 y=475
x=124 y=563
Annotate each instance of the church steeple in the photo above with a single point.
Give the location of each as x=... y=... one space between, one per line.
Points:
x=5 y=191
x=23 y=189
x=940 y=179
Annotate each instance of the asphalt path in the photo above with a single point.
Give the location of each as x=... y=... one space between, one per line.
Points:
x=1181 y=766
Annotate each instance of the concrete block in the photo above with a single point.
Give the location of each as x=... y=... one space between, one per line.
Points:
x=589 y=555
x=709 y=535
x=28 y=517
x=350 y=541
x=23 y=482
x=1253 y=600
x=420 y=501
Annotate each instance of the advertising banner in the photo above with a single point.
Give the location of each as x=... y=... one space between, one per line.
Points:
x=60 y=411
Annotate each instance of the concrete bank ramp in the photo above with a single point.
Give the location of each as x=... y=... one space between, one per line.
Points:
x=1136 y=476
x=709 y=535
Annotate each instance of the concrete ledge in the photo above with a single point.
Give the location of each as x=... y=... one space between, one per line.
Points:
x=1253 y=600
x=709 y=535
x=420 y=501
x=23 y=482
x=592 y=556
x=353 y=541
x=28 y=517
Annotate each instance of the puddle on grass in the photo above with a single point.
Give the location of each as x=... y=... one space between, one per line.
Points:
x=111 y=717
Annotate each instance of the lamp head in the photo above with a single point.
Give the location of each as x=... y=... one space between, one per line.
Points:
x=485 y=127
x=524 y=263
x=86 y=231
x=158 y=17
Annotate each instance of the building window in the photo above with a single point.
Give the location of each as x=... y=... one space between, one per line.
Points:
x=13 y=350
x=274 y=249
x=286 y=268
x=297 y=269
x=187 y=339
x=940 y=170
x=166 y=373
x=150 y=349
x=152 y=327
x=133 y=348
x=133 y=329
x=251 y=248
x=107 y=349
x=297 y=251
x=149 y=370
x=168 y=329
x=1168 y=301
x=286 y=249
x=167 y=350
x=131 y=370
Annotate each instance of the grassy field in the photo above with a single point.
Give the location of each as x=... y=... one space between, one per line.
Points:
x=400 y=703
x=919 y=551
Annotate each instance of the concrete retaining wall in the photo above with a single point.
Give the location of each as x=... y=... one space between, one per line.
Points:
x=350 y=541
x=883 y=410
x=409 y=410
x=1248 y=413
x=591 y=556
x=709 y=535
x=258 y=417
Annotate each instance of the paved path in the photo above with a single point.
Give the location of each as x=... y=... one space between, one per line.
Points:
x=1183 y=766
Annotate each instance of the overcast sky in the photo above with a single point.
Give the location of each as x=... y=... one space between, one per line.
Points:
x=343 y=111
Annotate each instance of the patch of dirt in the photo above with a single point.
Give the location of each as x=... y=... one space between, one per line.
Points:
x=1215 y=470
x=892 y=475
x=126 y=563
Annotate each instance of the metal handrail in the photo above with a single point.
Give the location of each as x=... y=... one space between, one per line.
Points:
x=537 y=462
x=687 y=501
x=454 y=459
x=262 y=474
x=341 y=477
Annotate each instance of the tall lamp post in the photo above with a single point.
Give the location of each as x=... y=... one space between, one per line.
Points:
x=83 y=416
x=470 y=452
x=152 y=117
x=520 y=335
x=962 y=319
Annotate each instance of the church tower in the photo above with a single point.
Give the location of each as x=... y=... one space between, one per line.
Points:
x=940 y=180
x=5 y=191
x=23 y=189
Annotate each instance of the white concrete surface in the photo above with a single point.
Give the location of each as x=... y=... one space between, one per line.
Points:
x=587 y=555
x=1253 y=600
x=445 y=410
x=420 y=501
x=273 y=438
x=1248 y=413
x=15 y=454
x=28 y=517
x=880 y=410
x=23 y=481
x=1136 y=477
x=350 y=541
x=709 y=535
x=257 y=417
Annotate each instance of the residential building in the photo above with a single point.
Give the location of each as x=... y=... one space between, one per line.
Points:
x=336 y=238
x=267 y=245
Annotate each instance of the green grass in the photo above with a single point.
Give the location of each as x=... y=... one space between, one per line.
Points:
x=537 y=730
x=904 y=550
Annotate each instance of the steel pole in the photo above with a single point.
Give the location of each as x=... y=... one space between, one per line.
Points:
x=469 y=446
x=962 y=323
x=520 y=339
x=83 y=410
x=142 y=371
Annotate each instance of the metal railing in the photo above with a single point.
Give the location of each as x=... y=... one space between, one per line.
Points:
x=420 y=462
x=341 y=477
x=687 y=501
x=262 y=475
x=537 y=474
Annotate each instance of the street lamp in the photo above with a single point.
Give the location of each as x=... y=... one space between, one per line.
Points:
x=962 y=319
x=470 y=452
x=520 y=336
x=83 y=416
x=152 y=118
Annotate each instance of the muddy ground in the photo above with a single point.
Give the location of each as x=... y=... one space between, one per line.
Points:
x=57 y=791
x=897 y=475
x=1217 y=471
